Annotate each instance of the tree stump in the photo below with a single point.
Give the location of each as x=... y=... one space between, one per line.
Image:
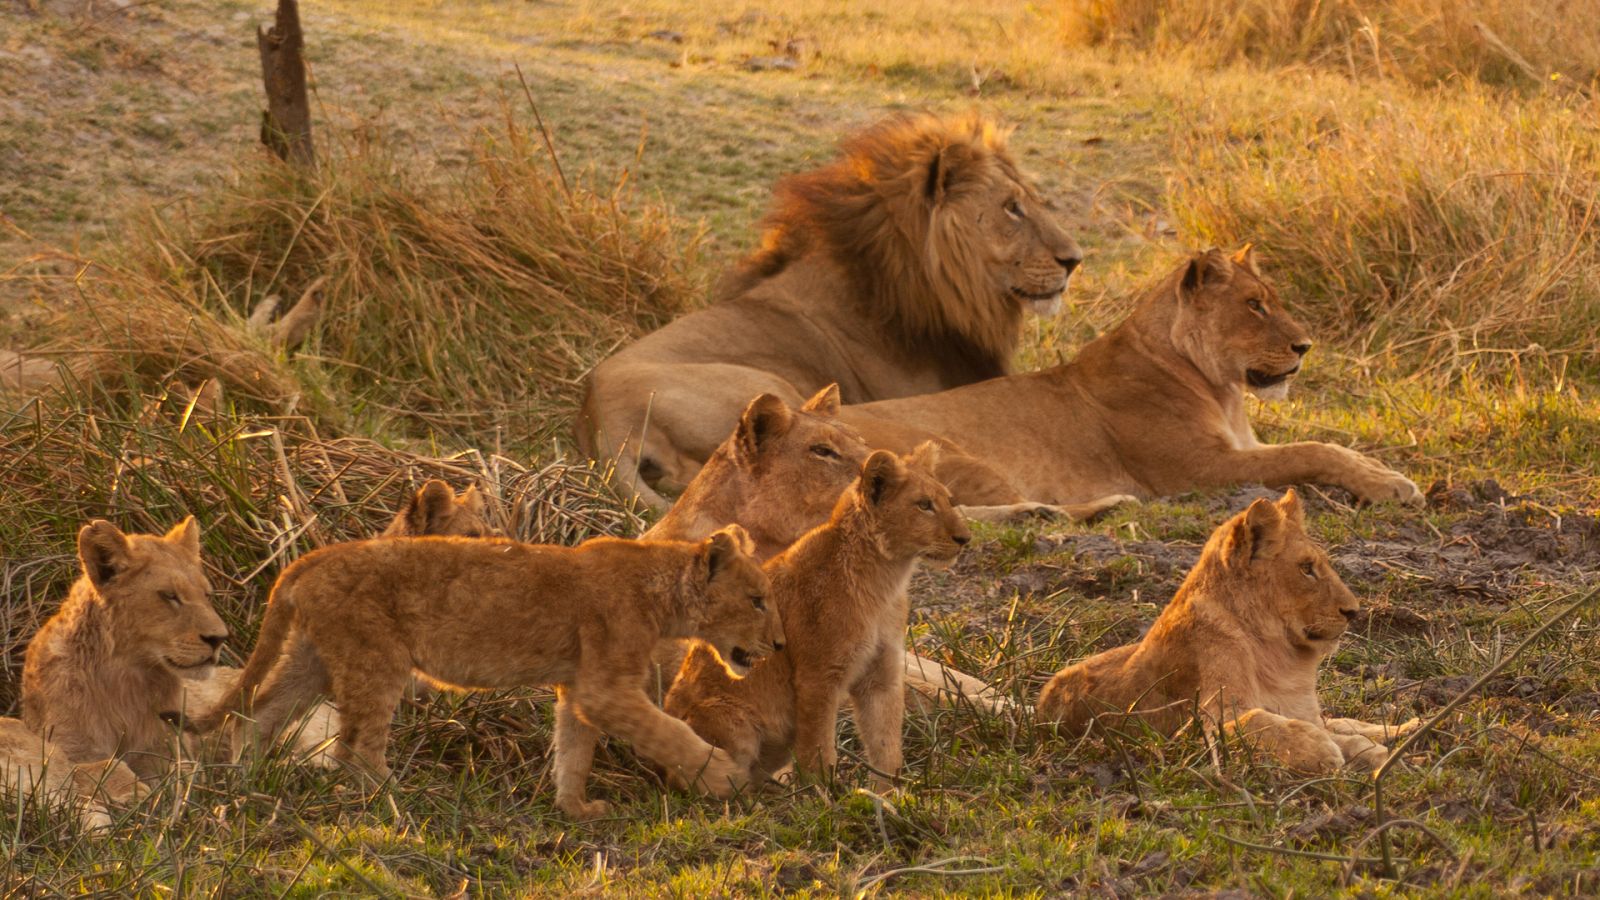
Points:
x=286 y=122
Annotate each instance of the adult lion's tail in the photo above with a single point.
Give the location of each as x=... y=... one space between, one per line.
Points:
x=275 y=626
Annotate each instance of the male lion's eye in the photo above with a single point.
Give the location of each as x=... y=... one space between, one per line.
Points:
x=925 y=505
x=1013 y=209
x=171 y=597
x=824 y=451
x=1257 y=308
x=1308 y=569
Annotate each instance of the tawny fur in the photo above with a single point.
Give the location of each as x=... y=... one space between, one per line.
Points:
x=105 y=669
x=846 y=581
x=33 y=767
x=903 y=267
x=354 y=620
x=1154 y=407
x=1242 y=639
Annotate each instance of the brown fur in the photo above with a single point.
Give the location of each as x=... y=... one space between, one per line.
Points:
x=1242 y=639
x=846 y=580
x=1152 y=408
x=355 y=619
x=105 y=669
x=37 y=768
x=903 y=267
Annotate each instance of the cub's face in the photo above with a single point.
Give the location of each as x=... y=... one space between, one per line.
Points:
x=741 y=621
x=157 y=594
x=913 y=512
x=435 y=509
x=1313 y=600
x=1234 y=326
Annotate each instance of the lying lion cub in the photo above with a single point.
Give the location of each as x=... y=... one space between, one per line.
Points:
x=356 y=619
x=34 y=767
x=105 y=672
x=1242 y=638
x=780 y=474
x=846 y=580
x=1154 y=407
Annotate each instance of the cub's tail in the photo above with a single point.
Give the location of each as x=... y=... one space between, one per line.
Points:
x=275 y=626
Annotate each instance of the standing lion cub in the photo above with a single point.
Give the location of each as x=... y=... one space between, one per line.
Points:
x=355 y=619
x=846 y=581
x=1243 y=639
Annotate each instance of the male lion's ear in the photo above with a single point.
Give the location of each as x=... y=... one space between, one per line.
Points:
x=429 y=505
x=881 y=471
x=1209 y=267
x=1246 y=258
x=824 y=402
x=1253 y=534
x=722 y=547
x=102 y=551
x=766 y=417
x=186 y=535
x=944 y=170
x=925 y=457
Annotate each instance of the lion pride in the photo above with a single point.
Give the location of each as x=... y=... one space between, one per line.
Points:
x=903 y=267
x=1154 y=407
x=1242 y=639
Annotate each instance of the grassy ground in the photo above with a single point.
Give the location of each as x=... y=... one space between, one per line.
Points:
x=1398 y=218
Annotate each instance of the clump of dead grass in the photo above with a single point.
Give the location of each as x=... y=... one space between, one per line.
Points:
x=1521 y=43
x=1435 y=226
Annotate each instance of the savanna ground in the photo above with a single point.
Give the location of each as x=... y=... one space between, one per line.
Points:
x=1420 y=175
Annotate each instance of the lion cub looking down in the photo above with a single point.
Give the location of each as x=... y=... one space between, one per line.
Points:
x=103 y=673
x=355 y=619
x=1243 y=638
x=846 y=580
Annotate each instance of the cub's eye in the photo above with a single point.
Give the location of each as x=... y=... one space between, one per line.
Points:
x=925 y=505
x=1256 y=307
x=824 y=451
x=1013 y=209
x=1308 y=569
x=759 y=602
x=171 y=597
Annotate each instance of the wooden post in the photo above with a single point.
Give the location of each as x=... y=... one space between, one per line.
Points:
x=286 y=122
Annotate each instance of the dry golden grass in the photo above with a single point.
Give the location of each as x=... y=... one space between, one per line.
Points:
x=1511 y=42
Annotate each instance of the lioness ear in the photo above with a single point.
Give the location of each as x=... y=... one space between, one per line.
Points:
x=881 y=471
x=1253 y=534
x=1246 y=258
x=102 y=551
x=766 y=417
x=1209 y=267
x=186 y=535
x=824 y=402
x=429 y=505
x=721 y=548
x=925 y=457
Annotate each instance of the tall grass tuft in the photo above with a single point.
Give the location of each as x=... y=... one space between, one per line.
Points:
x=1519 y=43
x=1462 y=222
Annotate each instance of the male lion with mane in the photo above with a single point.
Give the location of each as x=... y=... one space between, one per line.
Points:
x=1241 y=640
x=1154 y=407
x=903 y=267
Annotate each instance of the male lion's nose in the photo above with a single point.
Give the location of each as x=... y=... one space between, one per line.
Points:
x=1069 y=262
x=776 y=646
x=215 y=640
x=1301 y=347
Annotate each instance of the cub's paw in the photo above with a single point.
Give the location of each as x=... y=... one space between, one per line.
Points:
x=579 y=810
x=721 y=776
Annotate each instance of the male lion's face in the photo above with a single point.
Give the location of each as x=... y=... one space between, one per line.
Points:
x=914 y=514
x=157 y=594
x=1030 y=253
x=1288 y=573
x=1233 y=326
x=740 y=622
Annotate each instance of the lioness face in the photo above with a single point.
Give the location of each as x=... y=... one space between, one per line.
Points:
x=801 y=462
x=1235 y=328
x=915 y=514
x=157 y=593
x=1030 y=253
x=740 y=623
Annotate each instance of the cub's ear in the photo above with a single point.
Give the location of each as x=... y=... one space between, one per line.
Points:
x=1253 y=534
x=925 y=457
x=1207 y=268
x=1293 y=510
x=102 y=551
x=472 y=500
x=429 y=506
x=723 y=547
x=824 y=402
x=186 y=535
x=1246 y=259
x=879 y=473
x=767 y=417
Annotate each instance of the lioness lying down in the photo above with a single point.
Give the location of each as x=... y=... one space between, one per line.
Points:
x=1154 y=407
x=846 y=580
x=356 y=619
x=31 y=766
x=1242 y=638
x=780 y=474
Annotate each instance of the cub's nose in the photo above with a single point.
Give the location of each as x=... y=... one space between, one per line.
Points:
x=1349 y=614
x=961 y=539
x=1301 y=347
x=1069 y=262
x=215 y=640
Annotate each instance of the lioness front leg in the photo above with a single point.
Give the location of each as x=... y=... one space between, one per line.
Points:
x=1309 y=462
x=621 y=708
x=574 y=758
x=929 y=683
x=1077 y=512
x=880 y=710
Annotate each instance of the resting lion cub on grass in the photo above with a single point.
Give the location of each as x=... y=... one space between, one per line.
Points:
x=1153 y=407
x=780 y=474
x=34 y=767
x=355 y=619
x=1242 y=638
x=846 y=581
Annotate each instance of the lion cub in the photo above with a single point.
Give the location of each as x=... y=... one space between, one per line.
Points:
x=355 y=619
x=846 y=580
x=108 y=668
x=1243 y=637
x=33 y=766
